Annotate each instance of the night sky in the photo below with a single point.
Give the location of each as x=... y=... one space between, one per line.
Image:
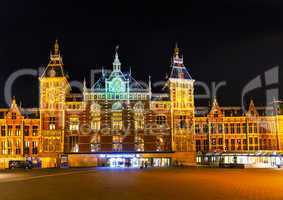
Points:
x=232 y=41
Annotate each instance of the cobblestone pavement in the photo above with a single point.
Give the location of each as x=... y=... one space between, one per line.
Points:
x=101 y=183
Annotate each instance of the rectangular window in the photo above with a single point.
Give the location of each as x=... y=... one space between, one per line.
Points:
x=18 y=148
x=251 y=140
x=117 y=143
x=26 y=131
x=238 y=141
x=205 y=128
x=212 y=128
x=26 y=147
x=255 y=127
x=18 y=130
x=34 y=147
x=117 y=122
x=9 y=133
x=220 y=141
x=256 y=140
x=3 y=131
x=244 y=127
x=220 y=128
x=9 y=147
x=160 y=119
x=52 y=123
x=197 y=129
x=182 y=122
x=14 y=116
x=238 y=128
x=3 y=147
x=226 y=128
x=232 y=128
x=34 y=130
x=226 y=142
x=74 y=124
x=250 y=127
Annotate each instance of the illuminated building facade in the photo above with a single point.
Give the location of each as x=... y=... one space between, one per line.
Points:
x=118 y=121
x=227 y=129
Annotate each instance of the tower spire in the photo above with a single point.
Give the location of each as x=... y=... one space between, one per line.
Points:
x=176 y=50
x=55 y=65
x=116 y=63
x=179 y=70
x=56 y=47
x=177 y=59
x=84 y=85
x=149 y=86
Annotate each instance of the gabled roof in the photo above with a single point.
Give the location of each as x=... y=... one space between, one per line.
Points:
x=252 y=110
x=99 y=85
x=135 y=86
x=14 y=107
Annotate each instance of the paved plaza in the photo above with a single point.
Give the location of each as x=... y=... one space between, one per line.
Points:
x=170 y=183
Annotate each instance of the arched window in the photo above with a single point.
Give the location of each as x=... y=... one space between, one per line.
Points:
x=95 y=110
x=116 y=118
x=95 y=143
x=182 y=122
x=139 y=143
x=159 y=143
x=139 y=115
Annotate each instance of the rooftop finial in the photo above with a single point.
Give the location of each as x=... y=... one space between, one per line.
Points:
x=215 y=103
x=176 y=50
x=116 y=48
x=14 y=100
x=116 y=63
x=149 y=85
x=56 y=47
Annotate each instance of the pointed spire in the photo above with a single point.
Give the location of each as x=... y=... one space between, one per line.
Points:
x=13 y=101
x=116 y=63
x=215 y=103
x=55 y=65
x=55 y=52
x=102 y=71
x=149 y=85
x=252 y=103
x=176 y=50
x=84 y=85
x=177 y=59
x=56 y=47
x=14 y=107
x=252 y=109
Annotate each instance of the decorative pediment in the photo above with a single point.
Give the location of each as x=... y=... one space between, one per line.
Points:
x=14 y=110
x=215 y=111
x=252 y=110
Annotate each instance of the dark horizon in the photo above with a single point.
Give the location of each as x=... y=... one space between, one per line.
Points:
x=220 y=41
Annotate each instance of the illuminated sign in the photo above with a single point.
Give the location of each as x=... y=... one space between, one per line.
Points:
x=117 y=156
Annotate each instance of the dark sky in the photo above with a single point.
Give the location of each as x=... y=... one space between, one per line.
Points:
x=232 y=41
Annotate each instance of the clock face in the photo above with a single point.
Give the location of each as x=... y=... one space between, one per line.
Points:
x=52 y=73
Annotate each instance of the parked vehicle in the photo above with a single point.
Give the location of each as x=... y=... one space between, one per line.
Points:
x=13 y=164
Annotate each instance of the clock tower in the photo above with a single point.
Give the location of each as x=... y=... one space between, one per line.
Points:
x=53 y=89
x=181 y=90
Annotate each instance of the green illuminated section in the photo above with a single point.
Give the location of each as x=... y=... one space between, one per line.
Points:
x=116 y=85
